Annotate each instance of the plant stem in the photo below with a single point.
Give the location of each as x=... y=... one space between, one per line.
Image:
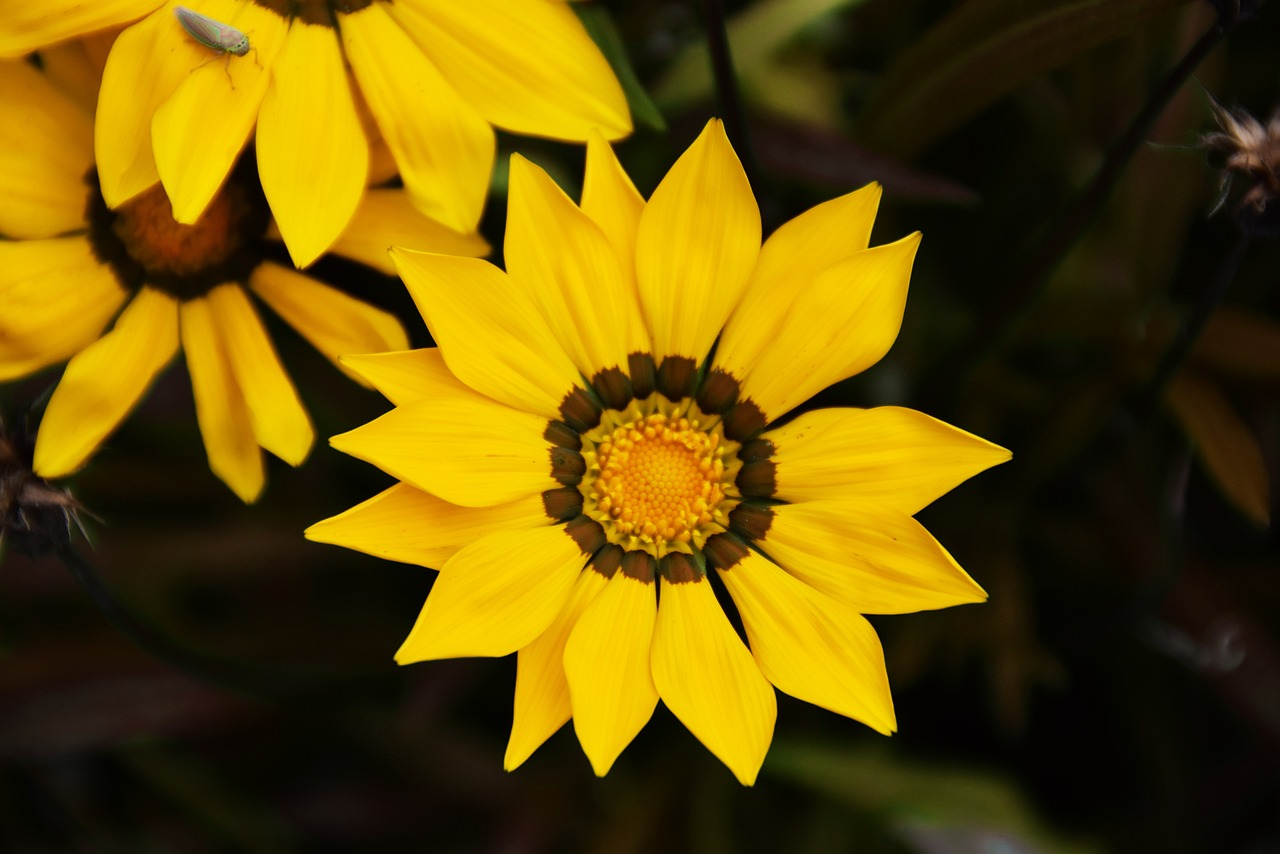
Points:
x=727 y=92
x=1028 y=282
x=254 y=680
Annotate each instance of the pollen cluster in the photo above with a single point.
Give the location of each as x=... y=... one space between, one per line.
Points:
x=659 y=481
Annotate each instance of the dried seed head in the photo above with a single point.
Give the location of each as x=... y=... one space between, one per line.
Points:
x=36 y=517
x=1248 y=154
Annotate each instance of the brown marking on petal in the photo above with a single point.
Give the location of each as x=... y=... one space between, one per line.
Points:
x=613 y=388
x=758 y=479
x=607 y=560
x=587 y=533
x=562 y=436
x=567 y=466
x=725 y=551
x=579 y=411
x=563 y=503
x=750 y=523
x=756 y=450
x=676 y=375
x=317 y=11
x=744 y=420
x=640 y=566
x=719 y=391
x=643 y=374
x=284 y=8
x=679 y=568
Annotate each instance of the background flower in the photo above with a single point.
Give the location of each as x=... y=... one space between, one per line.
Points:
x=429 y=79
x=79 y=265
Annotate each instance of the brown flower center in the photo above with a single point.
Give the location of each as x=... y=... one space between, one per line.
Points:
x=143 y=243
x=161 y=245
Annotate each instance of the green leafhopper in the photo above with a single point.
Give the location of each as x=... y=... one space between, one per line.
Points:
x=221 y=38
x=214 y=35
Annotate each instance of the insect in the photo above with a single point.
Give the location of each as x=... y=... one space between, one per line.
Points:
x=221 y=38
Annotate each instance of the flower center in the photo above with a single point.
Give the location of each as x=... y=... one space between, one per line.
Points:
x=660 y=476
x=145 y=245
x=146 y=227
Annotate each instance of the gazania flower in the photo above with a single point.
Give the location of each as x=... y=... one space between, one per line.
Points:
x=74 y=265
x=434 y=76
x=586 y=464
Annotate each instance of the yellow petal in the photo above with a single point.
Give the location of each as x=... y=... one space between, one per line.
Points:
x=444 y=148
x=333 y=322
x=871 y=558
x=526 y=65
x=411 y=526
x=480 y=321
x=104 y=381
x=793 y=256
x=57 y=299
x=280 y=422
x=312 y=154
x=29 y=26
x=566 y=264
x=387 y=218
x=841 y=324
x=46 y=147
x=888 y=456
x=611 y=199
x=542 y=703
x=542 y=691
x=496 y=595
x=75 y=68
x=464 y=448
x=1223 y=441
x=709 y=680
x=408 y=375
x=146 y=64
x=199 y=131
x=612 y=202
x=698 y=241
x=221 y=410
x=810 y=646
x=607 y=664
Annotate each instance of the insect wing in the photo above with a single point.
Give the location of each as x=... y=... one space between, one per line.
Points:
x=214 y=35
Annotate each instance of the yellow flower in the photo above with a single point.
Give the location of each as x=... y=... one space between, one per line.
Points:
x=583 y=460
x=432 y=77
x=75 y=264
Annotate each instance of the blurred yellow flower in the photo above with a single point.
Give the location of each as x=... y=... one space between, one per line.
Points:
x=585 y=474
x=428 y=78
x=74 y=264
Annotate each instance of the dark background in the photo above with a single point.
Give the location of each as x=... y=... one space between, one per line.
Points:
x=1120 y=691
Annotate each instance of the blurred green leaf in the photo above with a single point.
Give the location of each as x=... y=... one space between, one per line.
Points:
x=982 y=52
x=922 y=798
x=797 y=86
x=603 y=32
